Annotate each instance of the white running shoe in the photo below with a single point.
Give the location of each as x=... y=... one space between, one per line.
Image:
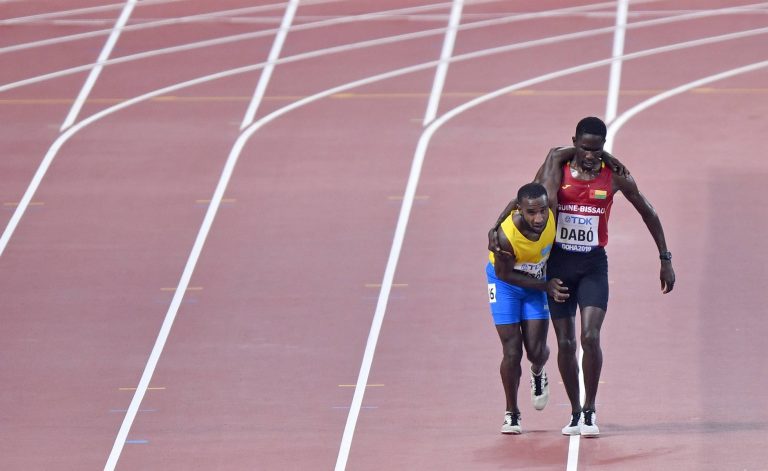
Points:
x=574 y=426
x=539 y=390
x=589 y=424
x=511 y=424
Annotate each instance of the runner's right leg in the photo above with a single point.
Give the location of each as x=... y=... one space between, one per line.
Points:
x=512 y=348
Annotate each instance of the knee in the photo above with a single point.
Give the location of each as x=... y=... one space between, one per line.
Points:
x=538 y=354
x=590 y=339
x=513 y=355
x=566 y=346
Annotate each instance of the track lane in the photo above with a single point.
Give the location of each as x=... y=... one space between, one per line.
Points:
x=287 y=401
x=483 y=454
x=439 y=385
x=100 y=210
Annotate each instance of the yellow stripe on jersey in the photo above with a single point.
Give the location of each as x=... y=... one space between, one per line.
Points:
x=530 y=255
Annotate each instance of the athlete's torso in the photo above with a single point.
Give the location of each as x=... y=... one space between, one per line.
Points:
x=583 y=208
x=530 y=255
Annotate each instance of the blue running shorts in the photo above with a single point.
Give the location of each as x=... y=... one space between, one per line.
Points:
x=512 y=304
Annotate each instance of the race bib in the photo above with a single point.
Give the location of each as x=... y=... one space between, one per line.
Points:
x=492 y=292
x=577 y=233
x=536 y=270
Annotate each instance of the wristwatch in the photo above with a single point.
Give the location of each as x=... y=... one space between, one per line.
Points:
x=665 y=255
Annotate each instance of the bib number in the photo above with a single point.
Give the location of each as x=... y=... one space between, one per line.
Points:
x=577 y=233
x=491 y=293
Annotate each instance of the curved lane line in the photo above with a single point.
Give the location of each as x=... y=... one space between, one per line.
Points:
x=386 y=285
x=148 y=25
x=445 y=57
x=69 y=132
x=410 y=190
x=414 y=176
x=181 y=287
x=76 y=11
x=611 y=105
x=614 y=81
x=269 y=67
x=390 y=39
x=64 y=137
x=613 y=129
x=318 y=24
x=96 y=70
x=616 y=125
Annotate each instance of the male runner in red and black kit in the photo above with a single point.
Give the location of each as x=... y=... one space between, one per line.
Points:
x=585 y=189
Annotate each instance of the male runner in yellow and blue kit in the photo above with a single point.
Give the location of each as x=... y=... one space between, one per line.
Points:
x=517 y=292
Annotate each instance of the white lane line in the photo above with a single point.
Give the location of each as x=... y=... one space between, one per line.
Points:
x=392 y=39
x=245 y=135
x=362 y=44
x=77 y=11
x=96 y=71
x=614 y=81
x=256 y=126
x=613 y=129
x=269 y=67
x=442 y=68
x=64 y=137
x=413 y=183
x=394 y=254
x=397 y=242
x=140 y=26
x=213 y=15
x=573 y=453
x=197 y=248
x=617 y=124
x=574 y=441
x=612 y=103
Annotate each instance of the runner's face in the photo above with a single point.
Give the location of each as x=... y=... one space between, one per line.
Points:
x=535 y=213
x=589 y=151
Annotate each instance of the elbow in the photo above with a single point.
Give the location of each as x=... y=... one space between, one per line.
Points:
x=650 y=215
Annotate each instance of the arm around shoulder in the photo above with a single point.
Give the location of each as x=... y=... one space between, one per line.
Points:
x=556 y=158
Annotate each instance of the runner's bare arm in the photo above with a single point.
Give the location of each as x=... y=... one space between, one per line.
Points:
x=558 y=156
x=549 y=175
x=628 y=186
x=551 y=168
x=504 y=265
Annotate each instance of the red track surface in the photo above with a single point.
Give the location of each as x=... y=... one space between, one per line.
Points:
x=274 y=325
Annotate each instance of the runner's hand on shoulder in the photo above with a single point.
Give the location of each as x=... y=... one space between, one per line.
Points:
x=667 y=276
x=557 y=290
x=494 y=243
x=493 y=239
x=613 y=163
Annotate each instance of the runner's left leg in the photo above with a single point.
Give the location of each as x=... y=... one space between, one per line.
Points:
x=591 y=321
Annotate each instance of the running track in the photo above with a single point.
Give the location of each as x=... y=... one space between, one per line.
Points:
x=192 y=272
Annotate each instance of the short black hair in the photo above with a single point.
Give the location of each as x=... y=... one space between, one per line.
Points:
x=531 y=191
x=591 y=125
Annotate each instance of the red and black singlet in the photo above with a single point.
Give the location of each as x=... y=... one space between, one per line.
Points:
x=583 y=207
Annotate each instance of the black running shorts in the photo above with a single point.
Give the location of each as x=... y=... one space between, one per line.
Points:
x=585 y=275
